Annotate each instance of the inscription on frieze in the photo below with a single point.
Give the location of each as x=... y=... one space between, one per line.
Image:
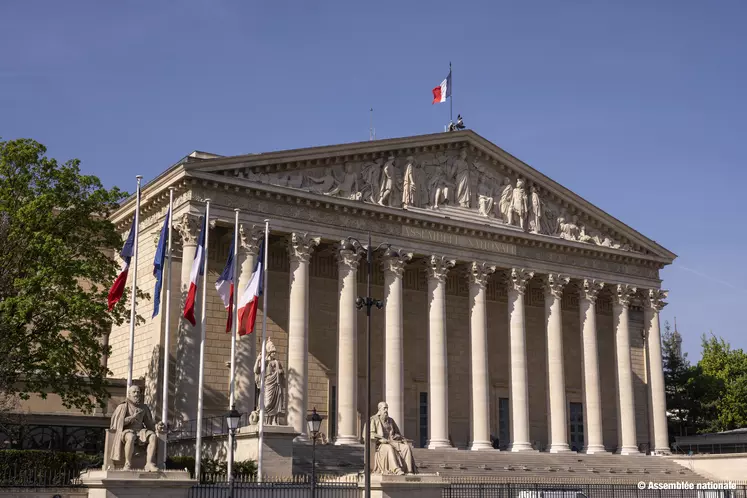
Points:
x=458 y=240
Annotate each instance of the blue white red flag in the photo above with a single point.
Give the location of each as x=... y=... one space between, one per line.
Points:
x=442 y=91
x=158 y=263
x=194 y=276
x=249 y=299
x=115 y=293
x=224 y=285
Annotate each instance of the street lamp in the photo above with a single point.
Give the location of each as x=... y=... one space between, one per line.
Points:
x=368 y=302
x=233 y=418
x=314 y=422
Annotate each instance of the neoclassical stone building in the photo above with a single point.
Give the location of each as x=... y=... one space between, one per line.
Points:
x=513 y=309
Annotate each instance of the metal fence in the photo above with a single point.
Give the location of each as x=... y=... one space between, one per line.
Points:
x=298 y=487
x=539 y=490
x=211 y=426
x=40 y=477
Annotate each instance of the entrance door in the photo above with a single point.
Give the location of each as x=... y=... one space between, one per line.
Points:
x=577 y=426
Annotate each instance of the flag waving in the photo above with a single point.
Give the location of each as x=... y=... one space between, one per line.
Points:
x=115 y=293
x=442 y=91
x=194 y=276
x=224 y=285
x=249 y=299
x=158 y=263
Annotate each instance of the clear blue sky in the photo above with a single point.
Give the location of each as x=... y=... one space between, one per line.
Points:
x=637 y=106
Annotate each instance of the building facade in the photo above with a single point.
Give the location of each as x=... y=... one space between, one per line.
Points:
x=513 y=309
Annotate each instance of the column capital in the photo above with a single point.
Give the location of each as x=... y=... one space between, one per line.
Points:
x=250 y=237
x=394 y=261
x=437 y=267
x=518 y=279
x=479 y=272
x=554 y=284
x=188 y=227
x=622 y=294
x=301 y=245
x=347 y=256
x=654 y=299
x=589 y=289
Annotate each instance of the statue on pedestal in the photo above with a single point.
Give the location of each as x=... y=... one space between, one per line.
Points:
x=133 y=424
x=275 y=384
x=393 y=451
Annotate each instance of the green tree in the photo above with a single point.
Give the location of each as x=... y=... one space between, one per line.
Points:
x=56 y=265
x=729 y=369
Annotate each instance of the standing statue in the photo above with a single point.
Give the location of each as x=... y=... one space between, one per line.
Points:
x=275 y=384
x=133 y=424
x=504 y=204
x=485 y=199
x=536 y=224
x=387 y=182
x=410 y=184
x=393 y=451
x=519 y=205
x=463 y=187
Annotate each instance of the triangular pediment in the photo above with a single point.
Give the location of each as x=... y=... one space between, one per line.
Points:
x=456 y=175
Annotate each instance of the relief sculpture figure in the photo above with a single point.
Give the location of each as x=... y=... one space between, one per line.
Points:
x=275 y=384
x=535 y=225
x=504 y=205
x=410 y=185
x=519 y=205
x=463 y=187
x=387 y=183
x=393 y=451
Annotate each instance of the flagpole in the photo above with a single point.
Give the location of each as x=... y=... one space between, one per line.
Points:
x=167 y=331
x=134 y=281
x=451 y=97
x=264 y=341
x=203 y=327
x=235 y=319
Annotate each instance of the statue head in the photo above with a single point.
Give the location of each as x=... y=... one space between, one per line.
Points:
x=506 y=180
x=519 y=183
x=133 y=394
x=463 y=153
x=383 y=409
x=270 y=349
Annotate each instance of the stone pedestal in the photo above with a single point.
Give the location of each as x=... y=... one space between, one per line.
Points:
x=134 y=483
x=413 y=486
x=277 y=453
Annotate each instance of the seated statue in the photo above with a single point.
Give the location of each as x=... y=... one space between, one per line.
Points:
x=393 y=451
x=133 y=424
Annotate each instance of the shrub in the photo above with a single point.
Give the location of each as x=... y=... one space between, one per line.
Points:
x=24 y=467
x=246 y=468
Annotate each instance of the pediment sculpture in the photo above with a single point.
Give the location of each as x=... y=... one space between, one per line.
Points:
x=438 y=180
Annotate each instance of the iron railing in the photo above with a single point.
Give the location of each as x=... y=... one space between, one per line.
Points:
x=541 y=490
x=216 y=486
x=40 y=477
x=211 y=426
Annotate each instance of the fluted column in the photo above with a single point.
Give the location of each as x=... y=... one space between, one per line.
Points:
x=347 y=345
x=627 y=443
x=438 y=387
x=188 y=338
x=246 y=347
x=300 y=247
x=478 y=275
x=394 y=357
x=653 y=304
x=558 y=416
x=587 y=305
x=519 y=401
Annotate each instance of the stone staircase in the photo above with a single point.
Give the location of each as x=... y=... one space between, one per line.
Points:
x=503 y=466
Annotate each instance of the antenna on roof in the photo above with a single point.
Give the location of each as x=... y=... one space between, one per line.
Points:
x=371 y=130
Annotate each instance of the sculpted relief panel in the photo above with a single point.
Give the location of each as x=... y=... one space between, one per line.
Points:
x=453 y=181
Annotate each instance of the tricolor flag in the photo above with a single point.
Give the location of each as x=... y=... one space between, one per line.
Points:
x=158 y=262
x=115 y=293
x=442 y=91
x=194 y=276
x=249 y=299
x=224 y=285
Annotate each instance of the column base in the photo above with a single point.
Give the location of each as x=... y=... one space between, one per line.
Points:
x=559 y=448
x=347 y=441
x=628 y=450
x=480 y=446
x=595 y=449
x=516 y=447
x=439 y=444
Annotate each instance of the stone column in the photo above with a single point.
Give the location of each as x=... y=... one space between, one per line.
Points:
x=188 y=338
x=519 y=401
x=653 y=304
x=627 y=443
x=347 y=346
x=300 y=247
x=250 y=238
x=558 y=414
x=394 y=357
x=478 y=328
x=438 y=386
x=587 y=305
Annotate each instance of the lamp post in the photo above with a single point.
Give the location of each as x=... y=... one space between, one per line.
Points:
x=314 y=422
x=368 y=302
x=233 y=418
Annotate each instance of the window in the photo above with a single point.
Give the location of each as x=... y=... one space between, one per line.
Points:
x=332 y=423
x=423 y=419
x=503 y=423
x=577 y=426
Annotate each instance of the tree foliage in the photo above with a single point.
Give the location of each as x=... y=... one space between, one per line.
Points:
x=56 y=264
x=729 y=369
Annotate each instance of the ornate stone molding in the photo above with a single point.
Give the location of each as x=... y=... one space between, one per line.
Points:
x=347 y=257
x=623 y=294
x=518 y=279
x=394 y=261
x=437 y=267
x=479 y=273
x=250 y=238
x=300 y=246
x=590 y=289
x=654 y=299
x=554 y=284
x=188 y=228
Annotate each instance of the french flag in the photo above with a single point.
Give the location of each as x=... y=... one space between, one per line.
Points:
x=194 y=276
x=224 y=285
x=249 y=299
x=442 y=91
x=115 y=293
